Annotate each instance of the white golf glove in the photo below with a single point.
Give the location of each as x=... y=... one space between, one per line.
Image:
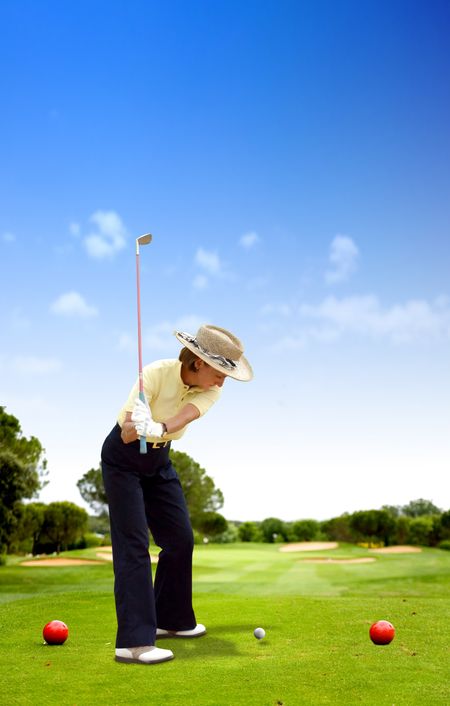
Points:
x=143 y=422
x=149 y=428
x=141 y=411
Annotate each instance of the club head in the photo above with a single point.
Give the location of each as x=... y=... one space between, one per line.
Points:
x=143 y=240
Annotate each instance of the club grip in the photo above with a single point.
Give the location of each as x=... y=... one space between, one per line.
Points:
x=142 y=445
x=142 y=439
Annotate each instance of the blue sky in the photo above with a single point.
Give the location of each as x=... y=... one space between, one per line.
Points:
x=291 y=160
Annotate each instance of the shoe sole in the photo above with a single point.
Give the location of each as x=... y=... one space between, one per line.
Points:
x=131 y=660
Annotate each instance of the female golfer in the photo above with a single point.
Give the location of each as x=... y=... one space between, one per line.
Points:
x=144 y=492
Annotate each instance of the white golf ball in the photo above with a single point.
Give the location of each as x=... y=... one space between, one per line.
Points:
x=259 y=633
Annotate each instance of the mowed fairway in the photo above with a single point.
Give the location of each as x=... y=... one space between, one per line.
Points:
x=316 y=616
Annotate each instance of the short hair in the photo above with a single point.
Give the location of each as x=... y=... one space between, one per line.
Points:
x=188 y=359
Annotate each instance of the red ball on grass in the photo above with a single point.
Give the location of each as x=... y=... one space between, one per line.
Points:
x=55 y=632
x=382 y=632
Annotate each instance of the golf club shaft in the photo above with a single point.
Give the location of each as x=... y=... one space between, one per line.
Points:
x=142 y=440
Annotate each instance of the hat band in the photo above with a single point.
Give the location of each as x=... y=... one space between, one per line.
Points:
x=220 y=359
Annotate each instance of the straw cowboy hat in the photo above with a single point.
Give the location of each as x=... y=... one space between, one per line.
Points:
x=220 y=349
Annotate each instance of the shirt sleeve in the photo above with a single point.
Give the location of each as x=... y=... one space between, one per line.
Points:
x=204 y=400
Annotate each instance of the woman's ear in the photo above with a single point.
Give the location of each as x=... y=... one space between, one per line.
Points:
x=198 y=364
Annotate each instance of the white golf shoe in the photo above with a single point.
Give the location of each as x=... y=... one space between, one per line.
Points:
x=198 y=631
x=148 y=654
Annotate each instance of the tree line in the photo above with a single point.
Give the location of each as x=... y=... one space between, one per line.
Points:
x=37 y=528
x=419 y=522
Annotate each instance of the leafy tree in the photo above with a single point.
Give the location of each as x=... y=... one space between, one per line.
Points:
x=93 y=492
x=64 y=524
x=420 y=508
x=212 y=523
x=22 y=472
x=249 y=532
x=273 y=530
x=229 y=536
x=373 y=525
x=445 y=518
x=402 y=530
x=438 y=532
x=445 y=524
x=364 y=524
x=305 y=530
x=394 y=510
x=386 y=527
x=11 y=492
x=338 y=529
x=28 y=451
x=98 y=524
x=421 y=530
x=199 y=490
x=27 y=532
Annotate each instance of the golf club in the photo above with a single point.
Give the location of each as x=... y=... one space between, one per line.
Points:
x=142 y=240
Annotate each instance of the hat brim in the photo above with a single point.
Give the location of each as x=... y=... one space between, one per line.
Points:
x=242 y=369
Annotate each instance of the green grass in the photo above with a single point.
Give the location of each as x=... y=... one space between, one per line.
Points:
x=316 y=617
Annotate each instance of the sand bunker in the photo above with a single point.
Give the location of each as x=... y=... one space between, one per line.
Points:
x=327 y=560
x=399 y=549
x=59 y=561
x=308 y=546
x=63 y=561
x=106 y=554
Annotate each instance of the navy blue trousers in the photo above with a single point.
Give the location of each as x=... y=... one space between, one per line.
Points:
x=143 y=493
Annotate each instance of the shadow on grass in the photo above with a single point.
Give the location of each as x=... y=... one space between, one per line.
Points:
x=211 y=644
x=244 y=628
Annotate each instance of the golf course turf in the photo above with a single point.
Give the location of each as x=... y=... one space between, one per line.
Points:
x=316 y=616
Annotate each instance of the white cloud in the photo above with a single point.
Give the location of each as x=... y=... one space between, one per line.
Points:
x=249 y=240
x=160 y=336
x=334 y=318
x=343 y=259
x=110 y=237
x=8 y=237
x=200 y=282
x=31 y=365
x=283 y=310
x=209 y=261
x=75 y=229
x=364 y=315
x=73 y=304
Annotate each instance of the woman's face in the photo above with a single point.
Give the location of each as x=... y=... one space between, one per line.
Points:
x=207 y=376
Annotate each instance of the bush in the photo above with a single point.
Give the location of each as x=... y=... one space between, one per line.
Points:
x=229 y=536
x=421 y=530
x=98 y=524
x=273 y=530
x=250 y=532
x=338 y=529
x=2 y=559
x=87 y=541
x=211 y=524
x=305 y=530
x=445 y=544
x=401 y=535
x=198 y=537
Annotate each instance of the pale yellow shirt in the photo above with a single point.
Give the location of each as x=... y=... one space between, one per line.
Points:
x=166 y=394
